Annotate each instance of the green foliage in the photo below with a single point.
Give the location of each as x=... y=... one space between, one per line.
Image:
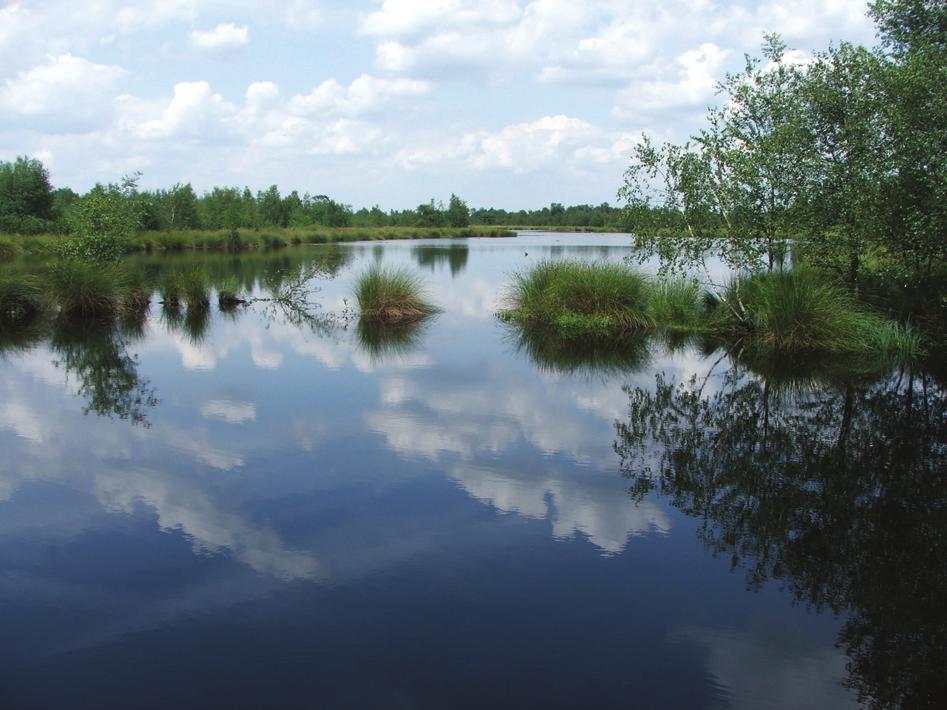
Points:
x=25 y=190
x=740 y=176
x=848 y=153
x=578 y=298
x=458 y=214
x=391 y=295
x=103 y=222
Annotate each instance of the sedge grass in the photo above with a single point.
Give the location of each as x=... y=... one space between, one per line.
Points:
x=577 y=298
x=799 y=311
x=21 y=297
x=677 y=305
x=84 y=289
x=392 y=296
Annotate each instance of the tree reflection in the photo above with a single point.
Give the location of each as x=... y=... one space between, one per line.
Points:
x=96 y=354
x=835 y=488
x=454 y=255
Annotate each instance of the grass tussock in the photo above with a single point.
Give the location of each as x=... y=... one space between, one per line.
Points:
x=392 y=296
x=87 y=290
x=799 y=311
x=195 y=290
x=577 y=298
x=21 y=297
x=677 y=305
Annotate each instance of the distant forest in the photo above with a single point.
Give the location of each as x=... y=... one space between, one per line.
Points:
x=29 y=204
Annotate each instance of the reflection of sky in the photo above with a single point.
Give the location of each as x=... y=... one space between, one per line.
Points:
x=277 y=454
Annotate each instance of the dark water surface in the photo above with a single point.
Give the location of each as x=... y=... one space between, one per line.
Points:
x=253 y=510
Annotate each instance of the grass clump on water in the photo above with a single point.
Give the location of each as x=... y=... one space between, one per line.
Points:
x=678 y=305
x=577 y=298
x=21 y=297
x=87 y=289
x=799 y=311
x=392 y=296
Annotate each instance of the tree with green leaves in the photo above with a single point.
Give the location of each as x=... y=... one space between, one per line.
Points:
x=850 y=160
x=458 y=214
x=26 y=196
x=737 y=182
x=914 y=41
x=103 y=221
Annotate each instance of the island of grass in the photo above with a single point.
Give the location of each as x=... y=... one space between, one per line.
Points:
x=777 y=311
x=392 y=295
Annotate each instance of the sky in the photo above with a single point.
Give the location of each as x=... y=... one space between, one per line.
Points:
x=507 y=103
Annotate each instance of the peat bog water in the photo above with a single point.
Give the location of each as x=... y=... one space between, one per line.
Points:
x=250 y=511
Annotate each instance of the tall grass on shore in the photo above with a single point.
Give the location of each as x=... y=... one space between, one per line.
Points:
x=392 y=296
x=578 y=298
x=223 y=240
x=800 y=310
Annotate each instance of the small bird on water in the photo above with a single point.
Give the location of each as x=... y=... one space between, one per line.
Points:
x=525 y=253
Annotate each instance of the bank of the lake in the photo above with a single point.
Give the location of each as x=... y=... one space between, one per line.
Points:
x=232 y=240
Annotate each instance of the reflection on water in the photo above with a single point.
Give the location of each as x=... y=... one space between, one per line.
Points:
x=383 y=341
x=588 y=354
x=454 y=255
x=835 y=489
x=439 y=508
x=96 y=355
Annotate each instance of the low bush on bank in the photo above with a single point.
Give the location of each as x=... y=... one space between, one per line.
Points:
x=392 y=295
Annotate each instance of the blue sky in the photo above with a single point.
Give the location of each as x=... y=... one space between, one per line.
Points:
x=508 y=103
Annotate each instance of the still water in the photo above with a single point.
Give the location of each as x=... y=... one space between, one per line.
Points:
x=261 y=509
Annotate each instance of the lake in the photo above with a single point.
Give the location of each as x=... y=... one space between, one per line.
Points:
x=273 y=509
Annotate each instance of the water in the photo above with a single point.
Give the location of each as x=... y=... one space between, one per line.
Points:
x=256 y=510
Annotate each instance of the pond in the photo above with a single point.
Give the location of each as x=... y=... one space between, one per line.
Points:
x=269 y=508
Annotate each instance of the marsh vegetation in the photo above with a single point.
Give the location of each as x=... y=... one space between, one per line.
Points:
x=392 y=295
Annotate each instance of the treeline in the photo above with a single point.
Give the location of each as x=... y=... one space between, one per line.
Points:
x=845 y=155
x=29 y=204
x=602 y=216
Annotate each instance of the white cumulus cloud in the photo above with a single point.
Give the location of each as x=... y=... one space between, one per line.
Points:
x=223 y=37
